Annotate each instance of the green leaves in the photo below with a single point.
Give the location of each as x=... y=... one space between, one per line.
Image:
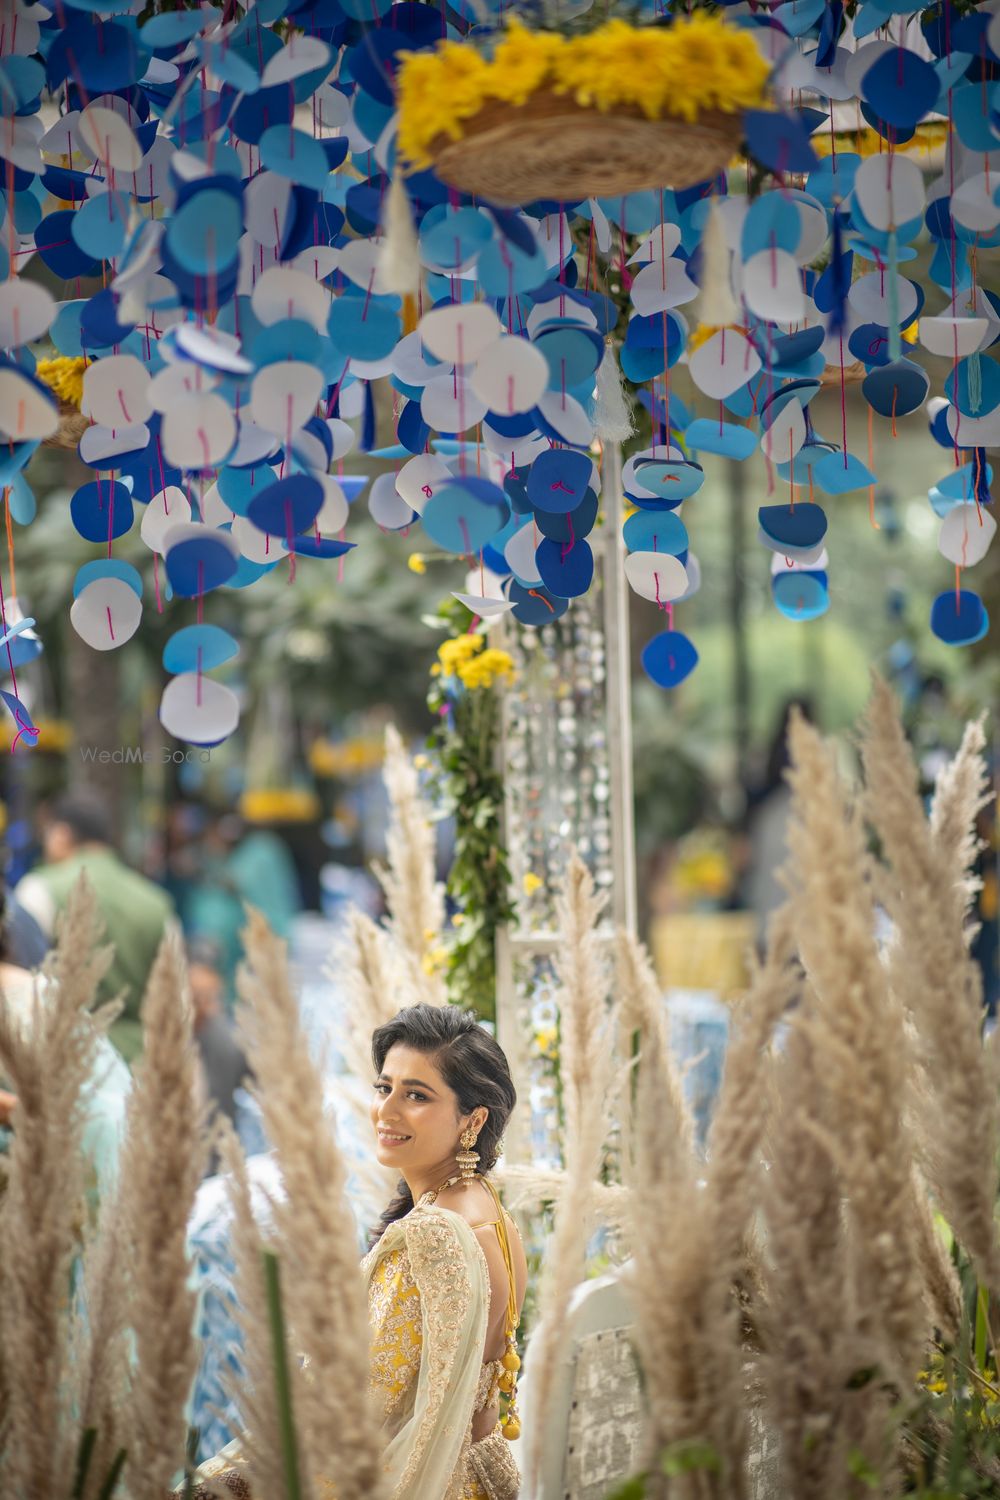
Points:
x=469 y=788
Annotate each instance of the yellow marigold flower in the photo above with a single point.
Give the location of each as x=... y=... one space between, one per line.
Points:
x=434 y=960
x=698 y=63
x=532 y=883
x=416 y=562
x=64 y=377
x=453 y=653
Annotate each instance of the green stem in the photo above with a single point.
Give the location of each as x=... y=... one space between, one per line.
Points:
x=84 y=1455
x=282 y=1382
x=114 y=1474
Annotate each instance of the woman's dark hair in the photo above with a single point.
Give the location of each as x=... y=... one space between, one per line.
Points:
x=472 y=1064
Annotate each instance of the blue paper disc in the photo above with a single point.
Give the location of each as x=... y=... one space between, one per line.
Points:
x=287 y=506
x=102 y=510
x=668 y=658
x=559 y=480
x=461 y=520
x=199 y=648
x=198 y=564
x=567 y=572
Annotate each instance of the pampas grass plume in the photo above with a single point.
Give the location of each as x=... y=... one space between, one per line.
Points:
x=414 y=897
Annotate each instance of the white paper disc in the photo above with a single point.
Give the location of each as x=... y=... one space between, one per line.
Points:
x=952 y=337
x=168 y=508
x=177 y=382
x=198 y=432
x=724 y=363
x=343 y=437
x=519 y=553
x=512 y=378
x=420 y=478
x=255 y=545
x=966 y=533
x=98 y=443
x=459 y=335
x=388 y=509
x=284 y=395
x=26 y=311
x=567 y=417
x=449 y=404
x=335 y=510
x=25 y=412
x=409 y=364
x=283 y=293
x=772 y=286
x=116 y=391
x=214 y=510
x=889 y=190
x=785 y=435
x=972 y=203
x=656 y=575
x=198 y=710
x=106 y=613
x=108 y=138
x=869 y=296
x=662 y=285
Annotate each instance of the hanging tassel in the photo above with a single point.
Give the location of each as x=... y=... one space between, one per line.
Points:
x=614 y=421
x=975 y=384
x=399 y=258
x=841 y=266
x=717 y=305
x=368 y=420
x=895 y=344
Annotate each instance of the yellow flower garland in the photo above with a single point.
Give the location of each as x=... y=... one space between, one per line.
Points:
x=699 y=63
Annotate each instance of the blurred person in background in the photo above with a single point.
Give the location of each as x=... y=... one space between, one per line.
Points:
x=104 y=1094
x=239 y=867
x=135 y=911
x=768 y=808
x=223 y=1063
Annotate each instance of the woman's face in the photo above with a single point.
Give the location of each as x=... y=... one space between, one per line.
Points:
x=416 y=1115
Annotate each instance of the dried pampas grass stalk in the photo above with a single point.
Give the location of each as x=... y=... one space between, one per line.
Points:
x=314 y=1231
x=414 y=897
x=806 y=1361
x=372 y=980
x=731 y=1195
x=641 y=1010
x=942 y=1288
x=363 y=965
x=932 y=973
x=252 y=1387
x=47 y=1057
x=587 y=1077
x=961 y=792
x=866 y=1067
x=671 y=1251
x=162 y=1164
x=99 y=1358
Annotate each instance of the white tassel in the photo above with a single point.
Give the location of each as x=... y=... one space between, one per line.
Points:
x=399 y=259
x=613 y=418
x=716 y=304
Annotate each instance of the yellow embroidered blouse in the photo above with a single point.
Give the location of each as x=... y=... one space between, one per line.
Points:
x=428 y=1301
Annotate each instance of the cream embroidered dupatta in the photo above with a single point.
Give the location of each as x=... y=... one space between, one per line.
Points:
x=427 y=1436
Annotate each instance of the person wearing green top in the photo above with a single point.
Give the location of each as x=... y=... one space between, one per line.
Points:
x=135 y=911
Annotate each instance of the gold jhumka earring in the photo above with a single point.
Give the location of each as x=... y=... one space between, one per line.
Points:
x=467 y=1159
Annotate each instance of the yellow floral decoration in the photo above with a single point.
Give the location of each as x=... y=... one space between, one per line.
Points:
x=699 y=63
x=64 y=377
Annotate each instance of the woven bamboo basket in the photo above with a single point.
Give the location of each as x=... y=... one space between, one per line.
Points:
x=72 y=425
x=853 y=374
x=552 y=147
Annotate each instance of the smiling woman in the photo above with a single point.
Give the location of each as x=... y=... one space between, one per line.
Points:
x=446 y=1272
